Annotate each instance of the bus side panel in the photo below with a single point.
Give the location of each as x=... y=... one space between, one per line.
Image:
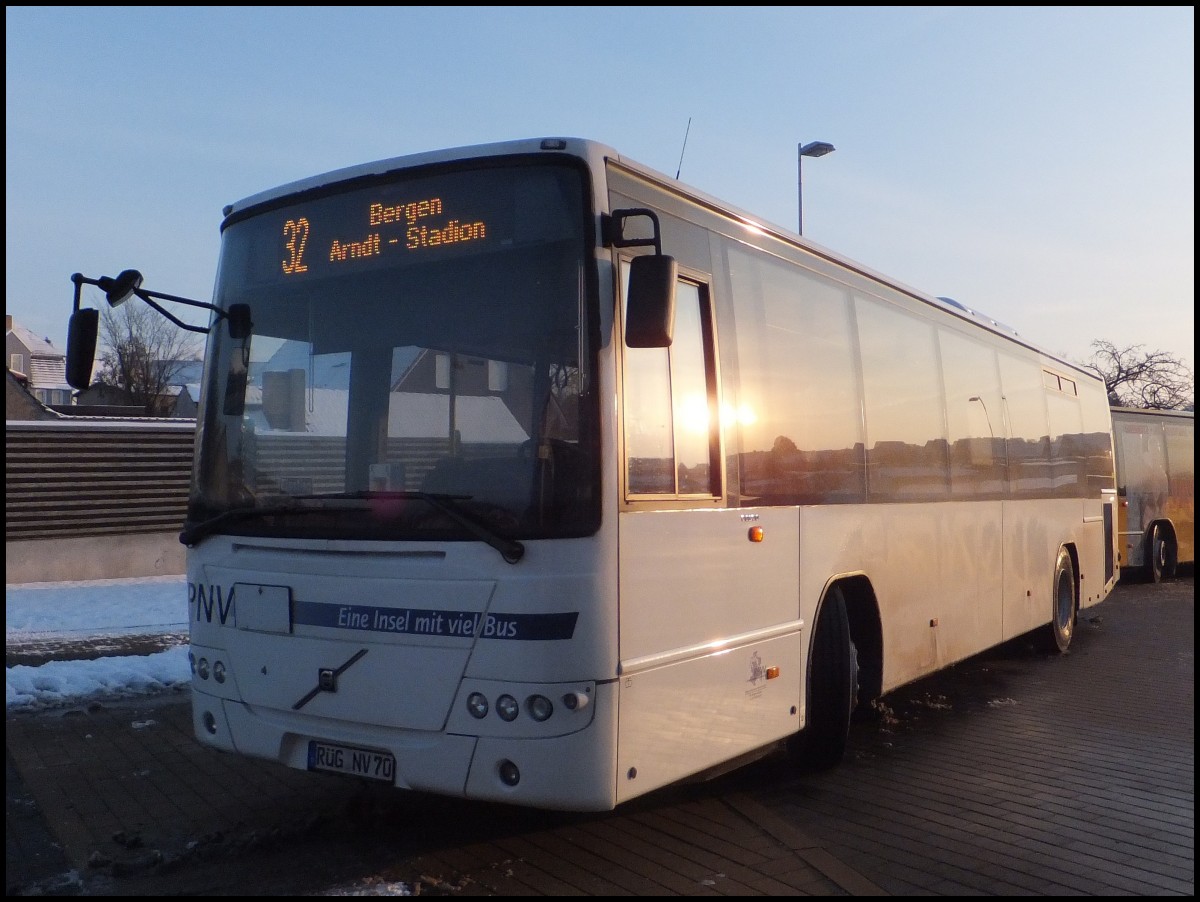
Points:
x=1181 y=462
x=683 y=718
x=1094 y=546
x=1034 y=532
x=935 y=569
x=705 y=613
x=694 y=577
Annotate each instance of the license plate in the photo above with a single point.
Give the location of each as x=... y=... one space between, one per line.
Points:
x=344 y=759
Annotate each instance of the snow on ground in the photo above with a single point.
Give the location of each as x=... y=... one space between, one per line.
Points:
x=87 y=610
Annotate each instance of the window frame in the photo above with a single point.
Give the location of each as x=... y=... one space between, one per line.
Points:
x=718 y=483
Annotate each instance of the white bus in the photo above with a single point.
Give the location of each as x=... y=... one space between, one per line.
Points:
x=526 y=473
x=1156 y=489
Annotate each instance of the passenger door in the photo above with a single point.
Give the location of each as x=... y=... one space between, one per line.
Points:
x=708 y=593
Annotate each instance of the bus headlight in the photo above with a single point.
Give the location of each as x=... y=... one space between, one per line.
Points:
x=477 y=705
x=507 y=708
x=539 y=707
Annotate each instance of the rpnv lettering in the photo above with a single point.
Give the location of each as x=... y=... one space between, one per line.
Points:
x=205 y=600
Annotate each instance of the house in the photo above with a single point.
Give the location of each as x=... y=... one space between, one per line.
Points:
x=19 y=402
x=178 y=399
x=102 y=400
x=37 y=363
x=184 y=392
x=188 y=404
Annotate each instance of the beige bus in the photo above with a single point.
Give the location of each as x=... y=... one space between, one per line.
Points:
x=1156 y=489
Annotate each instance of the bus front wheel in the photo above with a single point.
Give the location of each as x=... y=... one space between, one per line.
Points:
x=831 y=687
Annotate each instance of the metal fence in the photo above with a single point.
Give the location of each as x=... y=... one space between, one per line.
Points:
x=94 y=477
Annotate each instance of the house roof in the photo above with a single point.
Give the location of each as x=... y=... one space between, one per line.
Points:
x=36 y=345
x=48 y=372
x=21 y=405
x=47 y=364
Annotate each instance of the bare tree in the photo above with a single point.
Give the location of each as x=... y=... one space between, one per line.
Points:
x=142 y=355
x=1154 y=380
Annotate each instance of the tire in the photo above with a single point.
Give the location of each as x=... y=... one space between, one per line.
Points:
x=831 y=687
x=1163 y=557
x=1064 y=603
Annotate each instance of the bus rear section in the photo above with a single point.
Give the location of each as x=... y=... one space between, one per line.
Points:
x=1156 y=485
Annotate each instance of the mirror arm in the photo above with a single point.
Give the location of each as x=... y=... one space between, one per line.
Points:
x=79 y=279
x=148 y=297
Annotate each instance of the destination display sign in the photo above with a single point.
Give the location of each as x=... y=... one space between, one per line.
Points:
x=405 y=227
x=401 y=222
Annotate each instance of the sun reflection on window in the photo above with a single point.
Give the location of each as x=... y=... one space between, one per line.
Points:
x=692 y=414
x=742 y=415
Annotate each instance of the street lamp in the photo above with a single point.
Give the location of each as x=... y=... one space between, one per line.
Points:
x=812 y=149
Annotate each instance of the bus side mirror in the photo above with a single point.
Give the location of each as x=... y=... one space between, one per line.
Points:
x=650 y=303
x=82 y=329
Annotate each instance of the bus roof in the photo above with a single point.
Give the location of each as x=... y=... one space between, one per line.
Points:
x=596 y=154
x=1153 y=412
x=575 y=147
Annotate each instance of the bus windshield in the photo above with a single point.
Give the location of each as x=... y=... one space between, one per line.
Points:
x=418 y=366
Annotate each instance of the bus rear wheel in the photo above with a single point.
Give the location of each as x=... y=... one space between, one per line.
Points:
x=1065 y=607
x=1162 y=555
x=831 y=687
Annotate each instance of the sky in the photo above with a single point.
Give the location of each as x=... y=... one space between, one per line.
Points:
x=63 y=612
x=1034 y=163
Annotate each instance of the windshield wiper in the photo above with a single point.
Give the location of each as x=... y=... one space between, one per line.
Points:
x=510 y=549
x=194 y=532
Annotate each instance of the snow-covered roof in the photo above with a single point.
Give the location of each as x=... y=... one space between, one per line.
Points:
x=410 y=415
x=38 y=346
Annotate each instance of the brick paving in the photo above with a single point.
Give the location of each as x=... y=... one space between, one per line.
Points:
x=1013 y=773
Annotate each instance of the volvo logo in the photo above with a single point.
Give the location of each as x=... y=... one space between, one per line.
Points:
x=327 y=679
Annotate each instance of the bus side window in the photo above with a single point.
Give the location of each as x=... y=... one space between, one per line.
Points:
x=669 y=436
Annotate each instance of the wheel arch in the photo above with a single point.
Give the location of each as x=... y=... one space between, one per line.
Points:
x=866 y=629
x=1164 y=524
x=1073 y=551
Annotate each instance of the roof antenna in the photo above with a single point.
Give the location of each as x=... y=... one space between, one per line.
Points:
x=685 y=137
